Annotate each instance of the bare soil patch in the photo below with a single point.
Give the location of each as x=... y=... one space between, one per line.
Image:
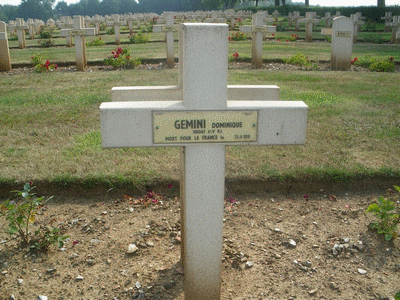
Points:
x=335 y=255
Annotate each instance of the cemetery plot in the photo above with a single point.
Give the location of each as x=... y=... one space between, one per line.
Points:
x=328 y=231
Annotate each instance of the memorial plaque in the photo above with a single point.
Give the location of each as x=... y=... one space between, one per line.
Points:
x=169 y=28
x=259 y=29
x=204 y=127
x=343 y=33
x=78 y=32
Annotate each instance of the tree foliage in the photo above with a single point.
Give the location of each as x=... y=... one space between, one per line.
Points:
x=45 y=9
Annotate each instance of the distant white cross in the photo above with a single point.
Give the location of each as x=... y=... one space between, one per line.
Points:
x=79 y=32
x=169 y=29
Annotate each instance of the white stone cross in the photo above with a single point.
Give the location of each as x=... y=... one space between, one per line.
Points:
x=395 y=29
x=267 y=18
x=202 y=123
x=387 y=18
x=276 y=14
x=357 y=23
x=31 y=27
x=342 y=43
x=328 y=19
x=258 y=30
x=129 y=18
x=296 y=18
x=97 y=21
x=66 y=23
x=21 y=27
x=116 y=23
x=5 y=61
x=309 y=21
x=79 y=32
x=169 y=29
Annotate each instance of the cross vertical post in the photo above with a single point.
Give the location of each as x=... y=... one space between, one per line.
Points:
x=5 y=62
x=169 y=29
x=21 y=27
x=116 y=23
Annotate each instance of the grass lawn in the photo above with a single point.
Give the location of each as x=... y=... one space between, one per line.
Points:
x=54 y=134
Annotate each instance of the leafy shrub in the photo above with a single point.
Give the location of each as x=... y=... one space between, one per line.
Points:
x=388 y=216
x=375 y=39
x=365 y=61
x=45 y=34
x=382 y=66
x=293 y=37
x=280 y=26
x=370 y=26
x=111 y=31
x=41 y=64
x=139 y=38
x=21 y=214
x=46 y=43
x=298 y=59
x=328 y=38
x=121 y=59
x=375 y=65
x=146 y=29
x=96 y=42
x=238 y=36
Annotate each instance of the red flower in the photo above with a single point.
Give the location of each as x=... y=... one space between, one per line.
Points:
x=279 y=40
x=306 y=196
x=235 y=55
x=170 y=186
x=55 y=66
x=75 y=243
x=287 y=40
x=391 y=58
x=274 y=24
x=229 y=38
x=355 y=58
x=273 y=34
x=100 y=38
x=30 y=183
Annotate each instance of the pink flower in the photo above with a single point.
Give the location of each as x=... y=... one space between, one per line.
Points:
x=232 y=201
x=170 y=186
x=306 y=196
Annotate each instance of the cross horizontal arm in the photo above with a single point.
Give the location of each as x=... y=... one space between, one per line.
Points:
x=160 y=93
x=130 y=124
